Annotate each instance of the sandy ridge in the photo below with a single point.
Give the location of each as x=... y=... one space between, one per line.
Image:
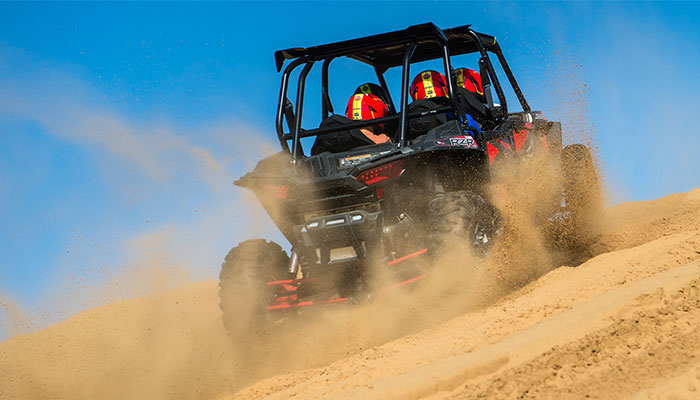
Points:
x=536 y=342
x=566 y=327
x=651 y=344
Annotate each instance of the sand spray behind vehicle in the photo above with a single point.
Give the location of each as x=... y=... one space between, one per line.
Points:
x=176 y=347
x=457 y=282
x=525 y=194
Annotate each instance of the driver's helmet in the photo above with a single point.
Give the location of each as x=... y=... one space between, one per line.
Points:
x=374 y=89
x=428 y=84
x=470 y=80
x=365 y=107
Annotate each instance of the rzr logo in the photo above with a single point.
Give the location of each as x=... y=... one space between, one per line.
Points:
x=463 y=141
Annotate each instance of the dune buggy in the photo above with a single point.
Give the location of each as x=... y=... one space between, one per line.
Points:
x=347 y=205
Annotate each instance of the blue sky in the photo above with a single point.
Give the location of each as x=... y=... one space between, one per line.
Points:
x=122 y=125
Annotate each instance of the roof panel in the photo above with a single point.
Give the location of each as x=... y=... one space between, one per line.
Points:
x=386 y=50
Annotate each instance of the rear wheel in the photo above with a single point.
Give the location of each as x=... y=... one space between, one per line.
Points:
x=461 y=218
x=243 y=291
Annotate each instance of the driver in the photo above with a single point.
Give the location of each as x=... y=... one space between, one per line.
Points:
x=365 y=107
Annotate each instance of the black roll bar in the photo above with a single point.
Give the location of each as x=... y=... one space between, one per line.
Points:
x=403 y=121
x=327 y=105
x=296 y=144
x=363 y=123
x=448 y=76
x=511 y=77
x=485 y=82
x=491 y=71
x=283 y=96
x=437 y=35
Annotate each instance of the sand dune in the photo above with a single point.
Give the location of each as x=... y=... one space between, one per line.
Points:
x=625 y=323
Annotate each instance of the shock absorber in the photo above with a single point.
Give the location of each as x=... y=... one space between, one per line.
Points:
x=294 y=263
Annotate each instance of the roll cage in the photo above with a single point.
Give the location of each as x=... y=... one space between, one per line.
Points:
x=399 y=48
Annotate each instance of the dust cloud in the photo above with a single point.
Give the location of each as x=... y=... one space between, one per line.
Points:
x=458 y=282
x=172 y=344
x=667 y=239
